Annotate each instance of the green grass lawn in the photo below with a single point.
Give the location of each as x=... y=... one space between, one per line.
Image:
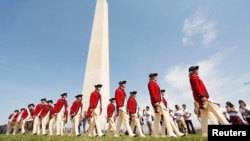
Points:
x=190 y=137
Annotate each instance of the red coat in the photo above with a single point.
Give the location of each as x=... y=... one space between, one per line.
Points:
x=131 y=105
x=89 y=113
x=60 y=103
x=120 y=97
x=76 y=105
x=52 y=112
x=38 y=108
x=13 y=117
x=198 y=88
x=46 y=109
x=110 y=110
x=164 y=101
x=25 y=114
x=154 y=91
x=94 y=99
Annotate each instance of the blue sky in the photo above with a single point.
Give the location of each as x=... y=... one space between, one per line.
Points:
x=44 y=45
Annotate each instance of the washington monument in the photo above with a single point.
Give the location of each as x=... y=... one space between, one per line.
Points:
x=97 y=66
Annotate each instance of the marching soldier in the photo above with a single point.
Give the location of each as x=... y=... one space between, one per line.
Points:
x=26 y=117
x=132 y=110
x=111 y=116
x=121 y=104
x=19 y=121
x=95 y=105
x=44 y=115
x=160 y=108
x=37 y=121
x=12 y=119
x=60 y=111
x=200 y=95
x=76 y=114
x=187 y=118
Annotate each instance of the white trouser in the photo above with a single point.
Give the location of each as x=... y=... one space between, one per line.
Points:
x=36 y=125
x=135 y=122
x=174 y=127
x=52 y=121
x=167 y=122
x=23 y=126
x=95 y=122
x=92 y=133
x=45 y=121
x=111 y=125
x=123 y=116
x=60 y=123
x=205 y=115
x=212 y=118
x=75 y=123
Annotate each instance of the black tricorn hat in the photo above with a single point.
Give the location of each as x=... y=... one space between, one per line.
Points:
x=43 y=99
x=193 y=68
x=98 y=85
x=153 y=74
x=111 y=99
x=50 y=101
x=63 y=94
x=22 y=109
x=79 y=95
x=163 y=90
x=122 y=82
x=31 y=105
x=16 y=111
x=133 y=92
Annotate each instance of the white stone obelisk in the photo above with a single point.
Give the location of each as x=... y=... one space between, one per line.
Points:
x=97 y=66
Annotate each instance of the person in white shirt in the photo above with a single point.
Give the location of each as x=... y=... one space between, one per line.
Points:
x=187 y=118
x=148 y=118
x=179 y=115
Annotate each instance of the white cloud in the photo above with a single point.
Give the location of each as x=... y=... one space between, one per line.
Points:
x=199 y=25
